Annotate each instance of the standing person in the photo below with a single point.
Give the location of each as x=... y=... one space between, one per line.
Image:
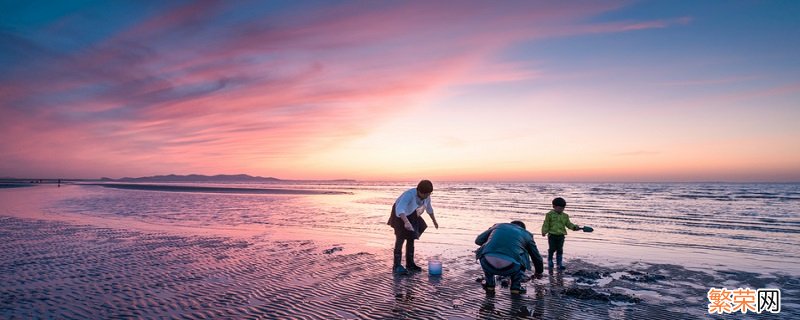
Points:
x=406 y=220
x=554 y=227
x=506 y=250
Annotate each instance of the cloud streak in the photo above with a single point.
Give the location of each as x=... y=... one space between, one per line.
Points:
x=238 y=88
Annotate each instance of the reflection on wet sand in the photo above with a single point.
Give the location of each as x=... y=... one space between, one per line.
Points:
x=555 y=305
x=268 y=270
x=529 y=305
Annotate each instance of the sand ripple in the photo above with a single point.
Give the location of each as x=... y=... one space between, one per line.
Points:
x=57 y=270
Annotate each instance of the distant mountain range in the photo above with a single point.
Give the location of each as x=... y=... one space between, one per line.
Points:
x=203 y=178
x=196 y=178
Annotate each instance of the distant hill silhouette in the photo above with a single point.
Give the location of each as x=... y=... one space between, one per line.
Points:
x=198 y=178
x=204 y=178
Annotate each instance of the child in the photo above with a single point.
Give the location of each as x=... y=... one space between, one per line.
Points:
x=406 y=220
x=554 y=227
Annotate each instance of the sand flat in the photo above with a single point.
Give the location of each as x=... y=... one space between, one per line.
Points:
x=62 y=270
x=79 y=265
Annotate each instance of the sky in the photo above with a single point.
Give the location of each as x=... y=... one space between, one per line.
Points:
x=402 y=90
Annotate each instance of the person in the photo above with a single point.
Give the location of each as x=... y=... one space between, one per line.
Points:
x=507 y=250
x=554 y=227
x=408 y=224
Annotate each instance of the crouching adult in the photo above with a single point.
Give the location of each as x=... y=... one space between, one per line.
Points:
x=507 y=249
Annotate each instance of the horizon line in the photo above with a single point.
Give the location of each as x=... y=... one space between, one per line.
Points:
x=44 y=180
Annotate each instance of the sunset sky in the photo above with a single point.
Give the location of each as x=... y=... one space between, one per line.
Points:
x=402 y=90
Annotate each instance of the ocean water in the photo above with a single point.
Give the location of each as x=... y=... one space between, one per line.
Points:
x=747 y=227
x=251 y=251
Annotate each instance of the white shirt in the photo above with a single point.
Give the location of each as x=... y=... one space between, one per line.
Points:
x=408 y=203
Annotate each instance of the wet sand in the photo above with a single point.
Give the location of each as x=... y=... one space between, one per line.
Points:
x=54 y=269
x=178 y=261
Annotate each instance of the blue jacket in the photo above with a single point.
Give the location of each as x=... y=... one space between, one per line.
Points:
x=510 y=240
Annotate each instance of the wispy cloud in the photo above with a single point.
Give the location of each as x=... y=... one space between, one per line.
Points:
x=704 y=82
x=633 y=25
x=221 y=82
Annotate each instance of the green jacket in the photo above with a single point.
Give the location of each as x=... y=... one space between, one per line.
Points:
x=510 y=240
x=557 y=223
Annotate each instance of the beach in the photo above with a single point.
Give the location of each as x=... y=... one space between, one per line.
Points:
x=63 y=256
x=241 y=159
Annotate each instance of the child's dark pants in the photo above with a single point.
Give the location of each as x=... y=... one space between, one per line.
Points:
x=556 y=244
x=398 y=251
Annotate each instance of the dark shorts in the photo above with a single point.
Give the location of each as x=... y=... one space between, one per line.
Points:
x=400 y=231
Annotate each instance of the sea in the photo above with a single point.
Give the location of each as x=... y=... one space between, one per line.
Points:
x=738 y=226
x=661 y=242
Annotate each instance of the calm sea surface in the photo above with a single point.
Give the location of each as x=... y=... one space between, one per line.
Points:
x=749 y=227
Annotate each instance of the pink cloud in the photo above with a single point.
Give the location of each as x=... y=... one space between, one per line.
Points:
x=175 y=92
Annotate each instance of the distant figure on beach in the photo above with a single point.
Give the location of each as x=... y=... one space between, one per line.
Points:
x=59 y=183
x=507 y=250
x=554 y=227
x=408 y=224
